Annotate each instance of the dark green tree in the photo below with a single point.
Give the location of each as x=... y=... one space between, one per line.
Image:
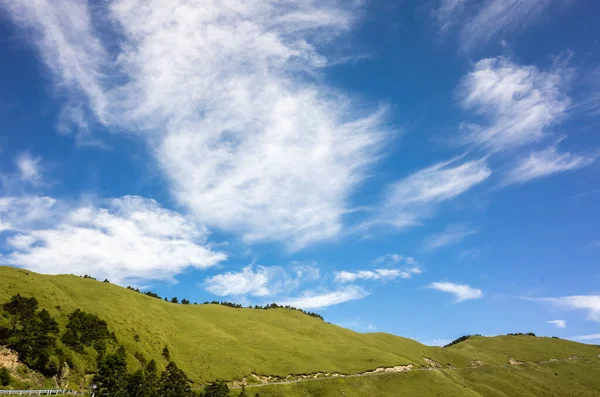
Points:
x=20 y=309
x=111 y=378
x=185 y=301
x=4 y=377
x=216 y=389
x=166 y=353
x=243 y=392
x=174 y=382
x=174 y=300
x=144 y=382
x=84 y=329
x=32 y=334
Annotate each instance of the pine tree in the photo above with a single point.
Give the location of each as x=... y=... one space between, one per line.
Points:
x=174 y=382
x=111 y=378
x=166 y=353
x=216 y=389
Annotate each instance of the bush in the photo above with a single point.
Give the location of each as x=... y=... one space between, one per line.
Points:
x=216 y=389
x=4 y=377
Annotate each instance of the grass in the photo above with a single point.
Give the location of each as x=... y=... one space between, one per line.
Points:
x=521 y=348
x=217 y=342
x=577 y=378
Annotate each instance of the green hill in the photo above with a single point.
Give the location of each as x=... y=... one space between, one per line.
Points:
x=569 y=378
x=213 y=341
x=521 y=348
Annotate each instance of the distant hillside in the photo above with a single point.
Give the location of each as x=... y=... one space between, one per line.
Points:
x=565 y=378
x=211 y=342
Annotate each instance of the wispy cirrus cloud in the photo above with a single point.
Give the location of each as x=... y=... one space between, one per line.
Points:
x=586 y=338
x=72 y=50
x=225 y=94
x=393 y=259
x=461 y=292
x=29 y=168
x=124 y=239
x=377 y=274
x=296 y=285
x=318 y=299
x=480 y=22
x=452 y=234
x=589 y=303
x=544 y=163
x=558 y=323
x=517 y=104
x=260 y=281
x=415 y=197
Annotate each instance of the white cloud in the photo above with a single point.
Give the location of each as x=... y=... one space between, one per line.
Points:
x=543 y=163
x=29 y=168
x=452 y=234
x=558 y=323
x=377 y=274
x=585 y=338
x=436 y=342
x=591 y=303
x=225 y=93
x=319 y=299
x=264 y=281
x=391 y=259
x=414 y=197
x=482 y=21
x=70 y=48
x=461 y=292
x=518 y=104
x=129 y=238
x=21 y=213
x=248 y=281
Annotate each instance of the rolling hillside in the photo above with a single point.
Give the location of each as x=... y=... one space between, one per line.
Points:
x=217 y=342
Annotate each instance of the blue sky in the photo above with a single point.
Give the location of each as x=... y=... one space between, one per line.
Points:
x=428 y=169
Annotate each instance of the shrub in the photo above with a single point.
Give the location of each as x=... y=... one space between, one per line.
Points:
x=216 y=389
x=4 y=377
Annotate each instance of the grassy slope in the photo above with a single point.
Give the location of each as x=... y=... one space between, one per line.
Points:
x=217 y=342
x=213 y=341
x=577 y=378
x=521 y=348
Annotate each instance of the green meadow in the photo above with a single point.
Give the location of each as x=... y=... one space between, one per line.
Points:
x=210 y=341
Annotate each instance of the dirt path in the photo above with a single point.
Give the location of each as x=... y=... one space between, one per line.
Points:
x=401 y=368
